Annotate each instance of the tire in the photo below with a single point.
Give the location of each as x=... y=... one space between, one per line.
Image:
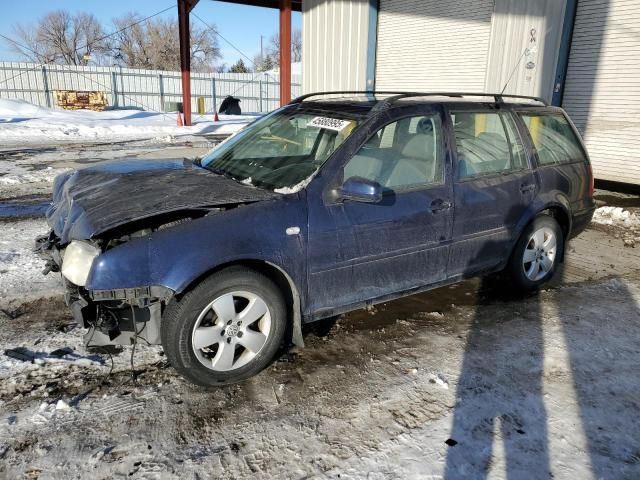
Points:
x=522 y=275
x=213 y=311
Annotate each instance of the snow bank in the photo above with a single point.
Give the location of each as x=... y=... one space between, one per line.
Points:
x=296 y=69
x=18 y=109
x=23 y=123
x=616 y=216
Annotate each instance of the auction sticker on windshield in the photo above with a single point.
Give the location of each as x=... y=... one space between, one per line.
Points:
x=329 y=123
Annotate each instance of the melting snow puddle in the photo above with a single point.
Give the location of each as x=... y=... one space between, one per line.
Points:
x=14 y=210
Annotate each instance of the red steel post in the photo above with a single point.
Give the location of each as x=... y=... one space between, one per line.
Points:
x=184 y=7
x=285 y=51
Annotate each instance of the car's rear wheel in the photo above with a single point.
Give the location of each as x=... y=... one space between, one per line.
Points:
x=536 y=256
x=225 y=330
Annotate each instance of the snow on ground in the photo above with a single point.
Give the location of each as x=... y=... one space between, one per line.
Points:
x=22 y=123
x=25 y=177
x=20 y=269
x=624 y=223
x=31 y=171
x=541 y=387
x=617 y=216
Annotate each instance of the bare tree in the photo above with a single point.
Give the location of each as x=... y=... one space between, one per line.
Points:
x=273 y=49
x=263 y=63
x=296 y=46
x=154 y=44
x=60 y=37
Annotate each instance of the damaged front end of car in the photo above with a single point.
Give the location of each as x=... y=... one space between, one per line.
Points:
x=103 y=219
x=111 y=317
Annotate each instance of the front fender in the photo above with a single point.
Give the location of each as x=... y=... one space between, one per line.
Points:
x=125 y=266
x=177 y=256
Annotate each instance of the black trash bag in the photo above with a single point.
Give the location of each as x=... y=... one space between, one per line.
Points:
x=230 y=106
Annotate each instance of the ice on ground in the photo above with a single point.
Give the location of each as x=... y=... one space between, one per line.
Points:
x=439 y=379
x=617 y=216
x=37 y=176
x=24 y=123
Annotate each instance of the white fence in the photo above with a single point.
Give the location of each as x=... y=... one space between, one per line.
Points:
x=142 y=89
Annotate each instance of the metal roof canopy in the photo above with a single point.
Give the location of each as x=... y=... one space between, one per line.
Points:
x=296 y=5
x=285 y=7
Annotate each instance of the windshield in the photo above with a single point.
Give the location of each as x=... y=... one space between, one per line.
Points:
x=280 y=151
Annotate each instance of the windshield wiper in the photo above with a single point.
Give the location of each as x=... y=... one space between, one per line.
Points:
x=217 y=171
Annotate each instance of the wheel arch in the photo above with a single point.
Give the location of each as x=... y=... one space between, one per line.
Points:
x=279 y=276
x=561 y=215
x=557 y=211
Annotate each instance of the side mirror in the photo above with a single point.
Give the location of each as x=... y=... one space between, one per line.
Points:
x=360 y=189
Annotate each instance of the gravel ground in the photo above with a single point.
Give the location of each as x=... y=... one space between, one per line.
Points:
x=461 y=382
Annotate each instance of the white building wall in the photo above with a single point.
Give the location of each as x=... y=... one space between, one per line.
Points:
x=602 y=89
x=433 y=45
x=523 y=47
x=334 y=44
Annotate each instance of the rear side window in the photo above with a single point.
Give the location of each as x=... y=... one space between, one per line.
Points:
x=487 y=143
x=553 y=138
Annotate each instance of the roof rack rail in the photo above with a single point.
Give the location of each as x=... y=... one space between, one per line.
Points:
x=498 y=97
x=302 y=98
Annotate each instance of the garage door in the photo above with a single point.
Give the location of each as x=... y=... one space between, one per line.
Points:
x=433 y=45
x=602 y=88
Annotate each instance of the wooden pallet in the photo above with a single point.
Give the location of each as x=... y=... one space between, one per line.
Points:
x=76 y=100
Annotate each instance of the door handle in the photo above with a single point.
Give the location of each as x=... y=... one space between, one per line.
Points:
x=530 y=187
x=440 y=205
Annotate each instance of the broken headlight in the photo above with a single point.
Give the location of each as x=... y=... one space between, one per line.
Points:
x=77 y=261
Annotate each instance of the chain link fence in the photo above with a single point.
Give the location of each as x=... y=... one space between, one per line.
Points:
x=152 y=90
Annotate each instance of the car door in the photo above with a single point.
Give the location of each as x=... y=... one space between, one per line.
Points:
x=361 y=251
x=493 y=187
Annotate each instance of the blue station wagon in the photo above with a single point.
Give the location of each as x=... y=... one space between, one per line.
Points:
x=332 y=203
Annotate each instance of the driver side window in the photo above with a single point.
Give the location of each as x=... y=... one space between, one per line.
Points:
x=401 y=155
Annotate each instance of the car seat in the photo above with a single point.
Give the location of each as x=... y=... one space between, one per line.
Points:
x=364 y=166
x=417 y=162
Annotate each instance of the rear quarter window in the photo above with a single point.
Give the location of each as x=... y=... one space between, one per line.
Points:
x=554 y=139
x=487 y=143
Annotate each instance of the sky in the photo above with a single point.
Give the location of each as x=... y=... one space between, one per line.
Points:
x=240 y=24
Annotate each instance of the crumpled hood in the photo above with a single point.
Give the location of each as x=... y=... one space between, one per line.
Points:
x=93 y=200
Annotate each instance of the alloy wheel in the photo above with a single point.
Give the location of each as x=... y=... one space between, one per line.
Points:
x=231 y=330
x=540 y=254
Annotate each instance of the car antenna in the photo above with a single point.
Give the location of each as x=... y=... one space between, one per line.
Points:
x=524 y=52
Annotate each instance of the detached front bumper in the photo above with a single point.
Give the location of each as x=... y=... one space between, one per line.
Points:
x=112 y=317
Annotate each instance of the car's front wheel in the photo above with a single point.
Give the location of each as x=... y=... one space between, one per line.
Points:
x=226 y=329
x=537 y=254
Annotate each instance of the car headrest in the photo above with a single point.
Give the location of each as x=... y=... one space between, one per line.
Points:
x=425 y=125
